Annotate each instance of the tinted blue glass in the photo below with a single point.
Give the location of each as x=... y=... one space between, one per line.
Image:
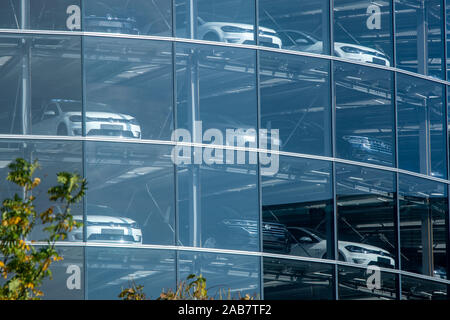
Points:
x=53 y=157
x=67 y=282
x=297 y=209
x=365 y=217
x=421 y=135
x=55 y=15
x=419 y=36
x=218 y=206
x=133 y=197
x=216 y=86
x=363 y=31
x=230 y=21
x=447 y=12
x=420 y=289
x=355 y=284
x=110 y=270
x=297 y=280
x=128 y=88
x=364 y=114
x=10 y=14
x=300 y=25
x=448 y=121
x=423 y=226
x=227 y=276
x=139 y=17
x=295 y=99
x=35 y=73
x=438 y=129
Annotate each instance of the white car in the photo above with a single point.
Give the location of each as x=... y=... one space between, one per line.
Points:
x=239 y=33
x=102 y=228
x=298 y=40
x=63 y=117
x=311 y=243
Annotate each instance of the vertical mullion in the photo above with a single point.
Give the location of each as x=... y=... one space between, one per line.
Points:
x=333 y=151
x=397 y=188
x=83 y=150
x=258 y=169
x=444 y=38
x=447 y=140
x=394 y=40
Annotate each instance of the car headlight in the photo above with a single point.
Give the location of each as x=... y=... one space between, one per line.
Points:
x=76 y=118
x=356 y=140
x=135 y=225
x=351 y=50
x=235 y=29
x=134 y=122
x=356 y=249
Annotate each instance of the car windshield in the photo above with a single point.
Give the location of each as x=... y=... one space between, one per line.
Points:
x=100 y=210
x=75 y=106
x=70 y=106
x=296 y=37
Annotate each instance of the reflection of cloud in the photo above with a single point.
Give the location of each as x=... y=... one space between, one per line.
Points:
x=132 y=277
x=134 y=173
x=4 y=164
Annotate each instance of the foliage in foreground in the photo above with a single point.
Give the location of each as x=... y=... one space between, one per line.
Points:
x=22 y=266
x=193 y=288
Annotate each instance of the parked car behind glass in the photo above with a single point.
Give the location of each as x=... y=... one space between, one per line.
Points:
x=64 y=118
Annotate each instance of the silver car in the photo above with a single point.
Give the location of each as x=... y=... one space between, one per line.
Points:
x=64 y=118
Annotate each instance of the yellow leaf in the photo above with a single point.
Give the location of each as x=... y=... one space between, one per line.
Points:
x=36 y=182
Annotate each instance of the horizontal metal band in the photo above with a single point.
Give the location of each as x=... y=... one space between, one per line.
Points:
x=237 y=252
x=220 y=147
x=216 y=43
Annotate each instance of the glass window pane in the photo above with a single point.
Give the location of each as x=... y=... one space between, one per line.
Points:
x=366 y=284
x=419 y=289
x=110 y=270
x=230 y=21
x=10 y=14
x=129 y=88
x=295 y=99
x=131 y=194
x=423 y=226
x=297 y=209
x=363 y=31
x=67 y=282
x=447 y=12
x=366 y=211
x=419 y=36
x=218 y=205
x=364 y=94
x=53 y=157
x=438 y=150
x=302 y=25
x=139 y=17
x=421 y=135
x=37 y=74
x=297 y=280
x=227 y=276
x=217 y=87
x=55 y=15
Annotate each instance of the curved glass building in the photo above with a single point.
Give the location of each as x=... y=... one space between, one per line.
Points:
x=289 y=149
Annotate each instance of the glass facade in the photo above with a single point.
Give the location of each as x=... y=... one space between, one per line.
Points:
x=295 y=149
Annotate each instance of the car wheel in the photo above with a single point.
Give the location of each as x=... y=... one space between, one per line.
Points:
x=218 y=52
x=211 y=37
x=62 y=131
x=210 y=243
